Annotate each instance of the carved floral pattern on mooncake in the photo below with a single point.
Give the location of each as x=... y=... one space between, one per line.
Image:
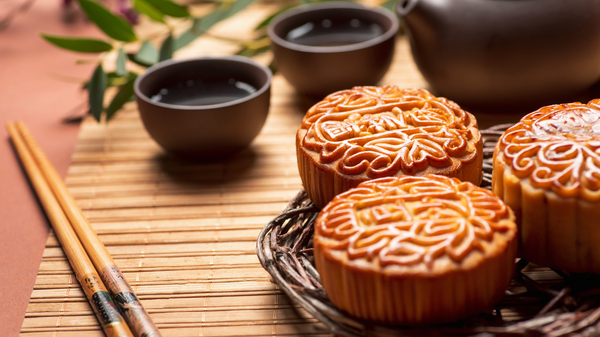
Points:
x=412 y=220
x=381 y=131
x=557 y=147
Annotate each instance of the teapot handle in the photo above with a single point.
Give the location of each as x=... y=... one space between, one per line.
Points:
x=405 y=6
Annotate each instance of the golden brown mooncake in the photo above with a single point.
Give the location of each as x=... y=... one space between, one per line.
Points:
x=547 y=169
x=415 y=249
x=371 y=132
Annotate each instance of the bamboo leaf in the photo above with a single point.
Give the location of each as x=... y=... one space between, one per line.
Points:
x=237 y=6
x=166 y=49
x=251 y=52
x=199 y=27
x=226 y=10
x=123 y=96
x=203 y=24
x=120 y=64
x=266 y=21
x=112 y=80
x=110 y=24
x=147 y=54
x=389 y=4
x=149 y=10
x=82 y=45
x=132 y=58
x=170 y=8
x=184 y=39
x=96 y=91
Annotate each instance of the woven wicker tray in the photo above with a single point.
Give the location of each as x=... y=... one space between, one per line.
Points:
x=539 y=301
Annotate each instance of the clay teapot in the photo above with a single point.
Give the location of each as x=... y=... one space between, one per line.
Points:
x=505 y=53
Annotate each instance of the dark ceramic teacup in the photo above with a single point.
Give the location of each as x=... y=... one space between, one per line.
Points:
x=204 y=108
x=324 y=47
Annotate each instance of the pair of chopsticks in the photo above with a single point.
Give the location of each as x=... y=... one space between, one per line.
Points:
x=93 y=266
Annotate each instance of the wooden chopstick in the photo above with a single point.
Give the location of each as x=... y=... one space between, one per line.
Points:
x=109 y=317
x=136 y=317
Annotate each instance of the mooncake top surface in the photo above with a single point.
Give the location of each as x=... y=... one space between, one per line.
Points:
x=427 y=223
x=557 y=148
x=384 y=131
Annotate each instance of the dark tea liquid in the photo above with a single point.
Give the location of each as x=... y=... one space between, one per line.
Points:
x=329 y=33
x=198 y=92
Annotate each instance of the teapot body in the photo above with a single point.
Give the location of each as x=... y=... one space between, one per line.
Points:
x=501 y=53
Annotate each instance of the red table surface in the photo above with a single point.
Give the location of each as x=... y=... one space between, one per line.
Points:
x=37 y=86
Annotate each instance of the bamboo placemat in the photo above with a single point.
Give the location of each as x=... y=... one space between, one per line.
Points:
x=183 y=233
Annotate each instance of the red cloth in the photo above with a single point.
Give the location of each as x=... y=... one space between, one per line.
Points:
x=32 y=90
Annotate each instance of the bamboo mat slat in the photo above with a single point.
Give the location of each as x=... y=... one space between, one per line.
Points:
x=184 y=233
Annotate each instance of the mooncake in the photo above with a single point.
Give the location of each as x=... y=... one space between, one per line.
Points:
x=365 y=133
x=547 y=169
x=415 y=250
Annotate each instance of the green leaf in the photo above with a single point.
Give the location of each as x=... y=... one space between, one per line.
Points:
x=123 y=96
x=389 y=4
x=170 y=8
x=121 y=59
x=132 y=58
x=149 y=10
x=203 y=24
x=251 y=52
x=81 y=45
x=237 y=6
x=96 y=89
x=115 y=80
x=227 y=10
x=112 y=80
x=184 y=39
x=199 y=27
x=110 y=24
x=272 y=67
x=147 y=53
x=266 y=21
x=166 y=49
